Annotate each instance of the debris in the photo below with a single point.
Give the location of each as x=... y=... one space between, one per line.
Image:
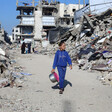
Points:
x=2 y=52
x=10 y=72
x=26 y=74
x=89 y=42
x=3 y=82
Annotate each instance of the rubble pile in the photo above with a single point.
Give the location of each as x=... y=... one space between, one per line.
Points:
x=10 y=71
x=89 y=43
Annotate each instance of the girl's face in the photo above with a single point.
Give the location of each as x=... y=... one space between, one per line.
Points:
x=63 y=46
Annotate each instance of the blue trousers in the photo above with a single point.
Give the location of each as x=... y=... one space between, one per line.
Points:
x=26 y=51
x=62 y=72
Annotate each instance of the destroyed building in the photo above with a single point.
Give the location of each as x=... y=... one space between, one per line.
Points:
x=15 y=34
x=4 y=35
x=89 y=42
x=37 y=19
x=1 y=33
x=26 y=18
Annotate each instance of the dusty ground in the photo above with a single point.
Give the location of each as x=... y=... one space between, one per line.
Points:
x=83 y=92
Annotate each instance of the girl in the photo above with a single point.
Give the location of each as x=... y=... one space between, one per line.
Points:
x=60 y=61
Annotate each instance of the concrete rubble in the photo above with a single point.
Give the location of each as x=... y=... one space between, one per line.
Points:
x=89 y=43
x=10 y=72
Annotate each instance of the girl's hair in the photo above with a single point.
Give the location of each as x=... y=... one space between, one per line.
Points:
x=60 y=43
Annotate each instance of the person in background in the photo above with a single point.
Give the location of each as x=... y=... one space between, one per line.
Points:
x=60 y=61
x=23 y=48
x=18 y=42
x=33 y=46
x=26 y=49
x=22 y=41
x=29 y=47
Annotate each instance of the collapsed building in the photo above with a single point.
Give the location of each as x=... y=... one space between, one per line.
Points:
x=88 y=41
x=4 y=35
x=26 y=25
x=37 y=19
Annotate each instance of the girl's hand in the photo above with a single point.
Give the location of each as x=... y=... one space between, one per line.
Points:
x=53 y=70
x=70 y=66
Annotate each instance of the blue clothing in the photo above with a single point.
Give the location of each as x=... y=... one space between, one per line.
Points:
x=29 y=47
x=26 y=51
x=62 y=72
x=61 y=59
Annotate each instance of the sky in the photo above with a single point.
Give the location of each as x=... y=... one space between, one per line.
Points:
x=8 y=13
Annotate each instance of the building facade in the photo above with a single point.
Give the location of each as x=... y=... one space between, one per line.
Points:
x=15 y=34
x=26 y=18
x=37 y=20
x=4 y=35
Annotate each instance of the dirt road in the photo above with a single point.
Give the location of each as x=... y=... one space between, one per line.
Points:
x=83 y=92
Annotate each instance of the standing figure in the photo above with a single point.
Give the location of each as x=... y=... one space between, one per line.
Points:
x=29 y=47
x=23 y=48
x=33 y=46
x=60 y=61
x=26 y=49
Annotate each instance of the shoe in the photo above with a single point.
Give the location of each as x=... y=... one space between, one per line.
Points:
x=61 y=91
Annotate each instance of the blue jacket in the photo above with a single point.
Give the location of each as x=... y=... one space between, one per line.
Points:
x=61 y=59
